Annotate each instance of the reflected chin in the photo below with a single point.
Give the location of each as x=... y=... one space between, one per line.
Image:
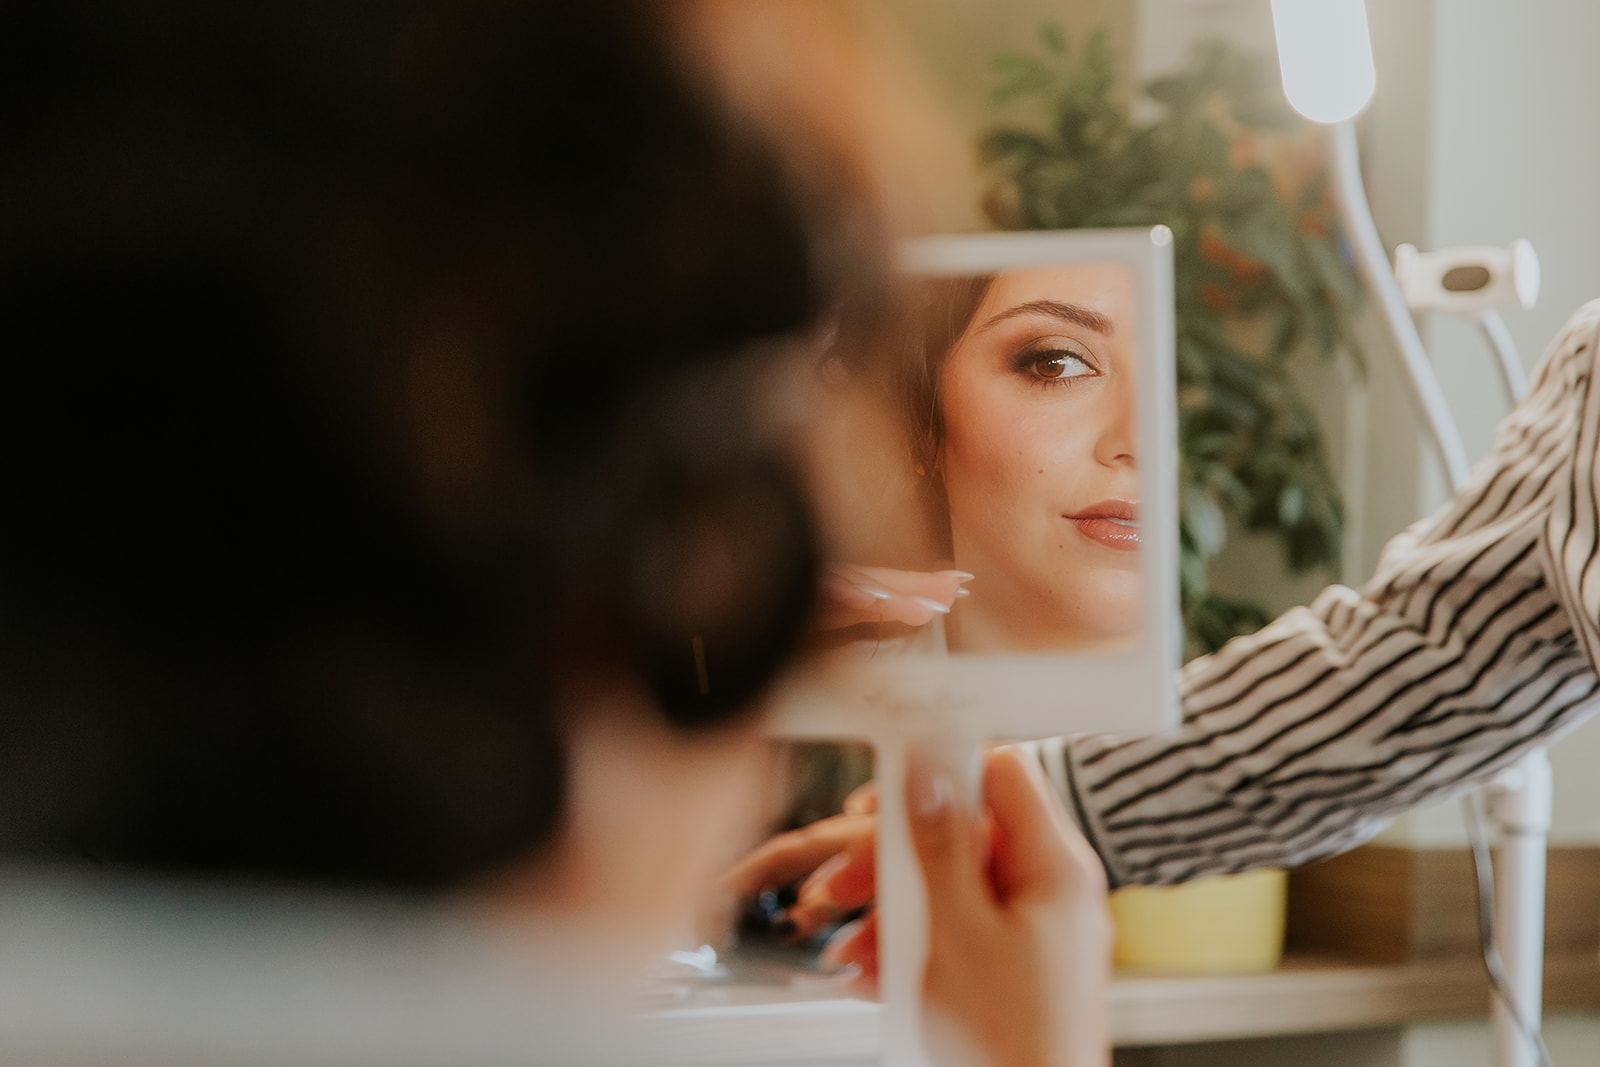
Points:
x=1109 y=608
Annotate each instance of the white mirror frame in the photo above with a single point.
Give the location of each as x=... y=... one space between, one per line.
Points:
x=1019 y=696
x=952 y=705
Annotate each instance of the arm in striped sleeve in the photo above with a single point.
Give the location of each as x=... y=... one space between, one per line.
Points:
x=1476 y=640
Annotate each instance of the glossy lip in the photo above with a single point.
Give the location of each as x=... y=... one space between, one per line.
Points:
x=1106 y=523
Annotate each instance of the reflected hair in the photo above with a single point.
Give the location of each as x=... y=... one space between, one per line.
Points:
x=937 y=312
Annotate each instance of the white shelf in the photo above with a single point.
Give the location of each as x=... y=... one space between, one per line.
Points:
x=770 y=1021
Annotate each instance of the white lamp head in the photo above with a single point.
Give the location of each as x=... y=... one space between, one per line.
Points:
x=1325 y=53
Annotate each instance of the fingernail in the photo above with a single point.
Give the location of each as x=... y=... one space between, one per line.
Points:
x=854 y=588
x=844 y=973
x=814 y=890
x=960 y=576
x=929 y=785
x=963 y=592
x=830 y=956
x=931 y=605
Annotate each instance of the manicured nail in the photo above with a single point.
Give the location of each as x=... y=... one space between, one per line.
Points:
x=831 y=955
x=930 y=786
x=861 y=595
x=856 y=585
x=814 y=890
x=931 y=605
x=960 y=576
x=963 y=592
x=843 y=974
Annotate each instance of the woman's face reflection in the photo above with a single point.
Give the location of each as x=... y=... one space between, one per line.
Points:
x=1038 y=461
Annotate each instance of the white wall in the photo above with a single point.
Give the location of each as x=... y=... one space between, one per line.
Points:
x=960 y=38
x=1167 y=28
x=1509 y=93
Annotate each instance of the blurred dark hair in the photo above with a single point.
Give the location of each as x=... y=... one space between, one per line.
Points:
x=367 y=366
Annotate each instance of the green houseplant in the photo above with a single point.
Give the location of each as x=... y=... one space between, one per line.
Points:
x=1258 y=276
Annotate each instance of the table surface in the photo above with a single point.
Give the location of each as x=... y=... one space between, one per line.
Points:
x=769 y=1008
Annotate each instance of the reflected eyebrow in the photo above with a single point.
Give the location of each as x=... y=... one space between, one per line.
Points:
x=1073 y=313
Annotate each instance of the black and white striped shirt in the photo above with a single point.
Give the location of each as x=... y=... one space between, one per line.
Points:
x=1476 y=640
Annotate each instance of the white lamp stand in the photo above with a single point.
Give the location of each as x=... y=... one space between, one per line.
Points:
x=1520 y=799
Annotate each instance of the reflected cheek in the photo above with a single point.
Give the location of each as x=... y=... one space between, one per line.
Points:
x=989 y=433
x=992 y=470
x=1037 y=461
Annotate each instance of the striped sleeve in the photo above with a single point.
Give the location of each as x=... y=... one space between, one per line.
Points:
x=1476 y=640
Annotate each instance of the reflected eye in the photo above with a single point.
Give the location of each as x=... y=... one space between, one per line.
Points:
x=1053 y=363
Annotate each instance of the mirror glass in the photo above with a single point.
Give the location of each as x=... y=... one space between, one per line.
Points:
x=1021 y=419
x=994 y=467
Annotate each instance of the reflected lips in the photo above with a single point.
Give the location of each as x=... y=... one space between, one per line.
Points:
x=1112 y=523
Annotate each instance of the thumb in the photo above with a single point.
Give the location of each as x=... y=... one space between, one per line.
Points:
x=944 y=837
x=1037 y=849
x=863 y=799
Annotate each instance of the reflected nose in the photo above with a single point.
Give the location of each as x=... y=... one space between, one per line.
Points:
x=1116 y=442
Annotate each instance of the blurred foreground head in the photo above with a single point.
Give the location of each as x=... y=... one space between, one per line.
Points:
x=365 y=371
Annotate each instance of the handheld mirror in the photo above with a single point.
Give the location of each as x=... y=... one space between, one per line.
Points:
x=1015 y=424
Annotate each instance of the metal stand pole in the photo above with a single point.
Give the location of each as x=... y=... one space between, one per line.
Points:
x=1373 y=262
x=1520 y=801
x=1494 y=329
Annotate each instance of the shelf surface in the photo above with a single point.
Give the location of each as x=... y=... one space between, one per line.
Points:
x=769 y=1012
x=1322 y=994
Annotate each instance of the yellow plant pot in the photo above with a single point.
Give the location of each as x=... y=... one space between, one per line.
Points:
x=1229 y=924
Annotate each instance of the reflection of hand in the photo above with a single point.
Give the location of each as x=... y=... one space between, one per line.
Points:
x=854 y=595
x=1019 y=954
x=835 y=857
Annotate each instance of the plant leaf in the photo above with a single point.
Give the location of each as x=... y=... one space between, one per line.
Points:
x=1053 y=38
x=1251 y=454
